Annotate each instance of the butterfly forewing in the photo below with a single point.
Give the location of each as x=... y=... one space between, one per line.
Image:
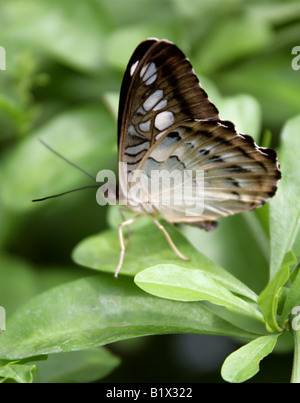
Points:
x=159 y=89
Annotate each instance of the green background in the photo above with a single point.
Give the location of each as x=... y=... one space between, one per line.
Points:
x=64 y=65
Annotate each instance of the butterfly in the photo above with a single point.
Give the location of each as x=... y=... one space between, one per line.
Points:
x=167 y=124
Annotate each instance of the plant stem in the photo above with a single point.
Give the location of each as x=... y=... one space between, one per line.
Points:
x=296 y=363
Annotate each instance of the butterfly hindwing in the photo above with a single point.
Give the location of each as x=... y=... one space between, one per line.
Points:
x=238 y=175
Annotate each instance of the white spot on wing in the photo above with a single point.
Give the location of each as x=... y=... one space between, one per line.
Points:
x=143 y=69
x=147 y=71
x=160 y=105
x=164 y=120
x=145 y=126
x=137 y=149
x=153 y=99
x=151 y=79
x=133 y=67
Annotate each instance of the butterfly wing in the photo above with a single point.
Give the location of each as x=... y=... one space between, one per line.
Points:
x=167 y=124
x=237 y=174
x=159 y=89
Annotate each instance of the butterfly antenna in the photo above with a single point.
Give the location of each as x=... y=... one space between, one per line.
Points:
x=64 y=193
x=75 y=166
x=65 y=159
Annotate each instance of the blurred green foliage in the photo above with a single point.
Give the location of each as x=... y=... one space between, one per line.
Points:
x=64 y=65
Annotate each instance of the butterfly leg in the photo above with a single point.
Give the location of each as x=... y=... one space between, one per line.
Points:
x=128 y=228
x=121 y=237
x=162 y=228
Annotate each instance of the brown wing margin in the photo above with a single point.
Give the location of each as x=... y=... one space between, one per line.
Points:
x=138 y=54
x=176 y=76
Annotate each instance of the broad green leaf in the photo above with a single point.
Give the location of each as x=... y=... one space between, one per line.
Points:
x=149 y=247
x=32 y=171
x=99 y=310
x=76 y=366
x=243 y=363
x=20 y=281
x=17 y=373
x=179 y=284
x=285 y=207
x=268 y=299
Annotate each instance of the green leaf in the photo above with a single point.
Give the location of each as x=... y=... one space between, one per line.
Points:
x=20 y=281
x=99 y=310
x=285 y=208
x=243 y=363
x=268 y=299
x=177 y=283
x=76 y=366
x=292 y=299
x=13 y=372
x=101 y=252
